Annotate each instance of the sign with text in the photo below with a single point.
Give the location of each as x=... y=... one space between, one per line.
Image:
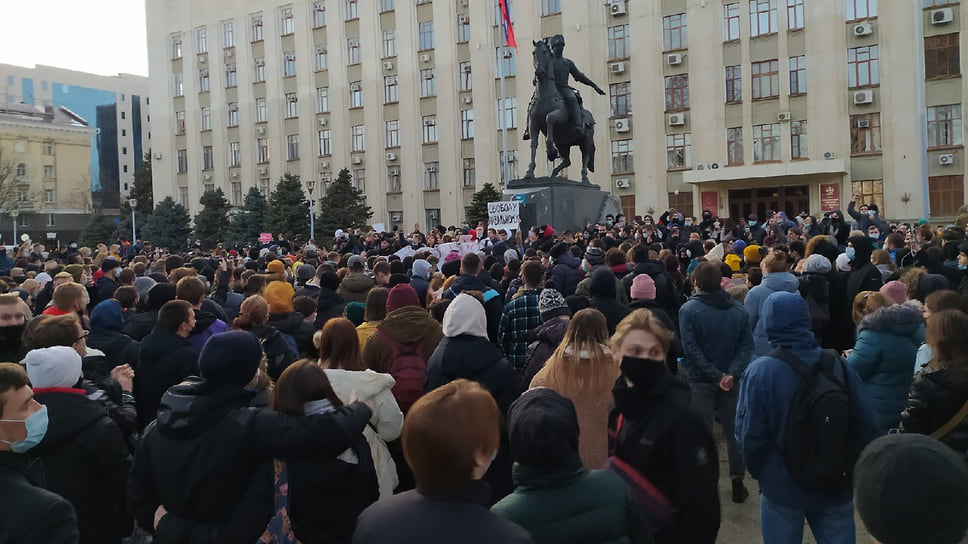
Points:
x=265 y=237
x=503 y=215
x=829 y=197
x=710 y=201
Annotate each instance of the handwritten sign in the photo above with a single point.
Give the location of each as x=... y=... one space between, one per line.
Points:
x=265 y=237
x=503 y=215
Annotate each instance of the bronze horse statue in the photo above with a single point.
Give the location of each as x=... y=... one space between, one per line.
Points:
x=548 y=115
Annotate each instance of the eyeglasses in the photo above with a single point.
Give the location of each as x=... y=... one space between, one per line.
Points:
x=82 y=337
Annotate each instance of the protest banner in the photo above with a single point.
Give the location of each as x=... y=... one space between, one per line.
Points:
x=503 y=215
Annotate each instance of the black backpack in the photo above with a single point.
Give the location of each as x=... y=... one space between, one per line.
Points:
x=820 y=445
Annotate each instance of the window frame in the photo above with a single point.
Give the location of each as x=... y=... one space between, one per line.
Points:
x=391 y=89
x=948 y=199
x=620 y=98
x=467 y=124
x=676 y=92
x=679 y=146
x=734 y=147
x=798 y=75
x=871 y=134
x=772 y=77
x=766 y=138
x=292 y=147
x=853 y=12
x=618 y=42
x=623 y=156
x=757 y=15
x=431 y=176
x=391 y=133
x=324 y=141
x=425 y=36
x=865 y=58
x=731 y=22
x=428 y=125
x=795 y=13
x=675 y=32
x=734 y=84
x=388 y=43
x=428 y=82
x=357 y=139
x=944 y=132
x=935 y=54
x=798 y=140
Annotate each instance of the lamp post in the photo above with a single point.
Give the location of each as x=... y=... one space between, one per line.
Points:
x=132 y=202
x=310 y=186
x=14 y=214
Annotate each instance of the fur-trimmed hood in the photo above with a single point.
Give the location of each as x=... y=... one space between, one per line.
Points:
x=901 y=319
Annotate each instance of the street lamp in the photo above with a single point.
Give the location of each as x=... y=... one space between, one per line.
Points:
x=14 y=214
x=132 y=202
x=310 y=185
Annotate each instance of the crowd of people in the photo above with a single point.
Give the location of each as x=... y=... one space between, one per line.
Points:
x=467 y=384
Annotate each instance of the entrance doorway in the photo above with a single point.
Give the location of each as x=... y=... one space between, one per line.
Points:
x=761 y=200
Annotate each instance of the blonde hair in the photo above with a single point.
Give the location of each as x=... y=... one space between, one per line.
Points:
x=582 y=360
x=641 y=320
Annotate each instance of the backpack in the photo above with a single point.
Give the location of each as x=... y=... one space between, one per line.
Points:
x=409 y=368
x=820 y=446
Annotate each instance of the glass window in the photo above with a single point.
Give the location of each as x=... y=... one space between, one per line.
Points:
x=178 y=84
x=428 y=82
x=287 y=24
x=795 y=14
x=512 y=164
x=176 y=47
x=766 y=142
x=231 y=75
x=618 y=42
x=942 y=56
x=734 y=146
x=425 y=30
x=674 y=32
x=292 y=105
x=49 y=195
x=429 y=129
x=208 y=157
x=386 y=5
x=865 y=133
x=466 y=83
x=201 y=40
x=766 y=79
x=206 y=118
x=182 y=161
x=762 y=17
x=259 y=70
x=356 y=94
x=678 y=150
x=467 y=124
x=507 y=113
x=179 y=122
x=862 y=66
x=622 y=157
x=48 y=172
x=235 y=154
x=262 y=144
x=677 y=92
x=359 y=180
x=463 y=28
x=319 y=14
x=321 y=59
x=292 y=147
x=233 y=114
x=431 y=176
x=944 y=126
x=505 y=61
x=183 y=197
x=289 y=64
x=469 y=173
x=946 y=194
x=550 y=7
x=390 y=90
x=256 y=28
x=236 y=197
x=322 y=99
x=934 y=3
x=620 y=98
x=393 y=179
x=730 y=22
x=861 y=9
x=325 y=143
x=392 y=133
x=352 y=10
x=261 y=113
x=798 y=139
x=353 y=51
x=734 y=84
x=389 y=43
x=798 y=75
x=357 y=138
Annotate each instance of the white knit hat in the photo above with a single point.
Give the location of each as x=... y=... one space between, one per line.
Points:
x=58 y=366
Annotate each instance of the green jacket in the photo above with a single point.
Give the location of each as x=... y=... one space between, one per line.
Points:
x=574 y=506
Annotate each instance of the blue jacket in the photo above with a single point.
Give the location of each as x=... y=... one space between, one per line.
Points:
x=756 y=299
x=887 y=344
x=716 y=337
x=565 y=274
x=766 y=397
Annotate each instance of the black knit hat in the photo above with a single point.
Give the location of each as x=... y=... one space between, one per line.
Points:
x=543 y=430
x=551 y=305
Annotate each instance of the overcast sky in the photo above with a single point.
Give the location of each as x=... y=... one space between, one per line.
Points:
x=101 y=36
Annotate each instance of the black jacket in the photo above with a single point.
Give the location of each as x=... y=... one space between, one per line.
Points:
x=278 y=352
x=85 y=460
x=28 y=512
x=603 y=298
x=935 y=397
x=11 y=346
x=544 y=340
x=140 y=325
x=165 y=360
x=493 y=305
x=294 y=324
x=118 y=348
x=565 y=274
x=328 y=305
x=665 y=439
x=199 y=458
x=666 y=292
x=105 y=288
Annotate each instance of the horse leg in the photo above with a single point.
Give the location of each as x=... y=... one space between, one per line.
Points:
x=551 y=119
x=534 y=130
x=565 y=162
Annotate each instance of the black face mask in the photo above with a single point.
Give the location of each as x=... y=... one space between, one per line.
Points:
x=643 y=373
x=11 y=335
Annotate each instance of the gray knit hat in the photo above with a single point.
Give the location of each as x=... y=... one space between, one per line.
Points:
x=551 y=305
x=595 y=255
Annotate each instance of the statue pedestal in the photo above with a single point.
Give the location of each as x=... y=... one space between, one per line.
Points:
x=561 y=203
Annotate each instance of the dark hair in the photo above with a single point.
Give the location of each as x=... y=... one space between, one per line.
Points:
x=438 y=309
x=127 y=295
x=945 y=299
x=304 y=305
x=640 y=253
x=470 y=263
x=754 y=275
x=172 y=262
x=707 y=277
x=46 y=331
x=381 y=267
x=533 y=273
x=945 y=333
x=173 y=314
x=299 y=383
x=254 y=285
x=12 y=378
x=339 y=345
x=127 y=276
x=376 y=304
x=190 y=289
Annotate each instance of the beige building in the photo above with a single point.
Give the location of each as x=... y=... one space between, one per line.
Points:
x=46 y=155
x=739 y=106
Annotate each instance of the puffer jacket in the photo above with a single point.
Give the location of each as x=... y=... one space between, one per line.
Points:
x=887 y=344
x=565 y=274
x=935 y=397
x=355 y=286
x=544 y=341
x=755 y=300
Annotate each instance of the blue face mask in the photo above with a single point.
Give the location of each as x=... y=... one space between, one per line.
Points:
x=117 y=272
x=963 y=267
x=36 y=424
x=752 y=223
x=851 y=253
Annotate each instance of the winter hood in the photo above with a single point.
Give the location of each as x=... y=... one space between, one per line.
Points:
x=465 y=315
x=190 y=408
x=781 y=281
x=787 y=321
x=421 y=269
x=901 y=319
x=543 y=430
x=367 y=384
x=603 y=283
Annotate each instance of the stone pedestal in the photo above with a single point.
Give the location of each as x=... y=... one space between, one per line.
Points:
x=561 y=203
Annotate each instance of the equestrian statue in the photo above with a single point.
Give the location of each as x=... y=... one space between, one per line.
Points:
x=556 y=109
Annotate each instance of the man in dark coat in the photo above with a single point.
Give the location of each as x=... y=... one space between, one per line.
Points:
x=863 y=275
x=666 y=295
x=565 y=272
x=108 y=283
x=329 y=303
x=166 y=358
x=471 y=266
x=603 y=295
x=107 y=320
x=140 y=325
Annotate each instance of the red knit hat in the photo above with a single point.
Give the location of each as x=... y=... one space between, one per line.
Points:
x=402 y=295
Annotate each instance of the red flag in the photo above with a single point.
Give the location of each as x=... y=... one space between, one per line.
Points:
x=508 y=29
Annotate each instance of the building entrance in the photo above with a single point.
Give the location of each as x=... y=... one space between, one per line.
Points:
x=762 y=200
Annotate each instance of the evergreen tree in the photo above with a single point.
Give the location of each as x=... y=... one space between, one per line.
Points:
x=343 y=206
x=477 y=211
x=288 y=209
x=141 y=191
x=248 y=222
x=168 y=226
x=98 y=230
x=211 y=223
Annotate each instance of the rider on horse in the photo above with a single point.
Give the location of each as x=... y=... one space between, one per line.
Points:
x=562 y=69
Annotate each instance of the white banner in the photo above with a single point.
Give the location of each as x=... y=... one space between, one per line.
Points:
x=503 y=215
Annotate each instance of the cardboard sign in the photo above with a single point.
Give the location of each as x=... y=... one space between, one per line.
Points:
x=380 y=227
x=265 y=237
x=503 y=215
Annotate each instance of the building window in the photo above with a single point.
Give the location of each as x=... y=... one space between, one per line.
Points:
x=125 y=170
x=944 y=126
x=183 y=197
x=463 y=28
x=946 y=194
x=467 y=124
x=322 y=99
x=201 y=40
x=289 y=64
x=766 y=79
x=182 y=161
x=353 y=51
x=677 y=92
x=124 y=150
x=389 y=43
x=259 y=71
x=393 y=179
x=392 y=133
x=678 y=151
x=550 y=7
x=321 y=59
x=236 y=195
x=359 y=180
x=620 y=98
x=795 y=14
x=231 y=75
x=325 y=143
x=622 y=156
x=862 y=67
x=386 y=5
x=431 y=177
x=871 y=191
x=942 y=56
x=618 y=42
x=261 y=112
x=861 y=9
x=504 y=57
x=48 y=148
x=352 y=10
x=390 y=90
x=264 y=187
x=730 y=22
x=356 y=94
x=178 y=84
x=208 y=157
x=179 y=122
x=292 y=147
x=176 y=47
x=357 y=139
x=865 y=133
x=674 y=35
x=235 y=154
x=319 y=14
x=798 y=75
x=469 y=173
x=425 y=31
x=51 y=220
x=512 y=165
x=798 y=139
x=233 y=111
x=507 y=112
x=734 y=146
x=466 y=84
x=428 y=82
x=429 y=129
x=256 y=28
x=287 y=23
x=934 y=3
x=49 y=196
x=734 y=84
x=206 y=118
x=766 y=142
x=48 y=172
x=263 y=146
x=762 y=17
x=292 y=105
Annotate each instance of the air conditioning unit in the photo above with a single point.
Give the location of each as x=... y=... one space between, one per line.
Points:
x=395 y=218
x=623 y=183
x=157 y=156
x=228 y=53
x=432 y=169
x=323 y=122
x=617 y=67
x=677 y=119
x=207 y=177
x=260 y=131
x=202 y=59
x=863 y=97
x=463 y=18
x=323 y=165
x=700 y=166
x=621 y=125
x=355 y=86
x=942 y=16
x=863 y=123
x=430 y=122
x=863 y=29
x=235 y=174
x=829 y=155
x=617 y=8
x=394 y=171
x=468 y=99
x=946 y=159
x=387 y=65
x=783 y=116
x=391 y=157
x=713 y=165
x=357 y=160
x=425 y=58
x=263 y=171
x=674 y=59
x=432 y=215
